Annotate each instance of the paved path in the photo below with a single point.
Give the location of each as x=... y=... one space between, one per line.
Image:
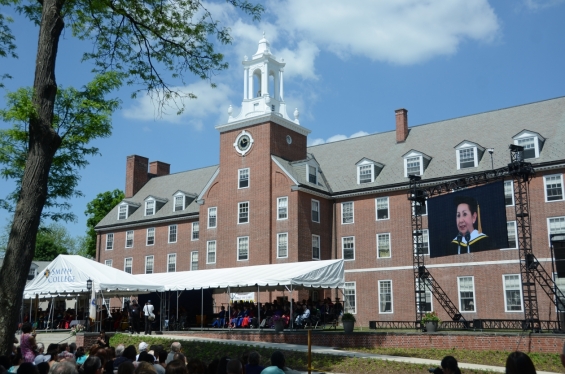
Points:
x=47 y=338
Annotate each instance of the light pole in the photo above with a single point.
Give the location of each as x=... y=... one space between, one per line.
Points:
x=491 y=151
x=89 y=288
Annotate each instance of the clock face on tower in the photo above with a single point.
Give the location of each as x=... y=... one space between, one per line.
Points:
x=243 y=143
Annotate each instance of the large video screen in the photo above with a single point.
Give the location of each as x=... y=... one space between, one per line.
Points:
x=468 y=221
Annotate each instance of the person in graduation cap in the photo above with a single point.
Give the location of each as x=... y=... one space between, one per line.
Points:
x=470 y=237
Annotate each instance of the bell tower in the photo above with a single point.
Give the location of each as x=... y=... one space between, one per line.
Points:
x=263 y=88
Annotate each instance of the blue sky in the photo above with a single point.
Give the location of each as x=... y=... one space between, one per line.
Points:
x=349 y=66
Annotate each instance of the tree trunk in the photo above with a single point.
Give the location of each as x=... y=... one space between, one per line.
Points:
x=43 y=143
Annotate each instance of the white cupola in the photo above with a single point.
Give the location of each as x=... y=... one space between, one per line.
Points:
x=263 y=90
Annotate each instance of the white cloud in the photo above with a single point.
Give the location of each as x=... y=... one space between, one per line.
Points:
x=210 y=102
x=335 y=138
x=541 y=4
x=397 y=31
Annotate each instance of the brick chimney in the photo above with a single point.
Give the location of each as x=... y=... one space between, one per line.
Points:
x=136 y=174
x=401 y=125
x=158 y=168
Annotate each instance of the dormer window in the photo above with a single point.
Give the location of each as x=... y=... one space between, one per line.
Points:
x=312 y=174
x=182 y=200
x=179 y=203
x=123 y=211
x=126 y=209
x=531 y=141
x=367 y=170
x=468 y=154
x=153 y=204
x=150 y=207
x=415 y=163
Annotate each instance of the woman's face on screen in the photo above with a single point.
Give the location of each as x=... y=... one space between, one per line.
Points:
x=465 y=219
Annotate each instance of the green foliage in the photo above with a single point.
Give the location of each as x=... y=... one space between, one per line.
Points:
x=79 y=118
x=95 y=211
x=7 y=41
x=348 y=317
x=431 y=317
x=53 y=240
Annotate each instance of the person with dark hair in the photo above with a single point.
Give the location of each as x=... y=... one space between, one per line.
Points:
x=160 y=363
x=102 y=340
x=253 y=363
x=519 y=363
x=212 y=366
x=80 y=355
x=43 y=367
x=469 y=231
x=449 y=365
x=16 y=361
x=234 y=367
x=126 y=368
x=92 y=365
x=277 y=364
x=146 y=357
x=145 y=367
x=27 y=343
x=27 y=368
x=130 y=353
x=176 y=367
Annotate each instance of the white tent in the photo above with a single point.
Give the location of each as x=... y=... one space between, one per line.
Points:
x=67 y=275
x=295 y=275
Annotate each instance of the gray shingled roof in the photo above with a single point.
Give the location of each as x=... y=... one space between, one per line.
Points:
x=297 y=170
x=491 y=130
x=192 y=181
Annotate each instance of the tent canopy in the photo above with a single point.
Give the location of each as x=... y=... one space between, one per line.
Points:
x=296 y=275
x=67 y=275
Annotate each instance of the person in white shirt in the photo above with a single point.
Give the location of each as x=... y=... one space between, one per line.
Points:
x=304 y=316
x=148 y=311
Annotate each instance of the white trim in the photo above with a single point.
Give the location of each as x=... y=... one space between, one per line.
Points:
x=176 y=233
x=342 y=248
x=123 y=205
x=420 y=161
x=271 y=116
x=278 y=238
x=239 y=178
x=387 y=209
x=238 y=248
x=354 y=295
x=108 y=235
x=284 y=170
x=372 y=168
x=197 y=260
x=459 y=294
x=169 y=262
x=352 y=213
x=312 y=201
x=243 y=152
x=458 y=157
x=389 y=245
x=152 y=265
x=192 y=231
x=308 y=166
x=278 y=201
x=131 y=265
x=519 y=289
x=526 y=134
x=208 y=252
x=545 y=187
x=512 y=191
x=516 y=236
x=183 y=197
x=549 y=228
x=147 y=202
x=132 y=239
x=319 y=247
x=108 y=262
x=391 y=297
x=239 y=213
x=208 y=220
x=208 y=185
x=147 y=237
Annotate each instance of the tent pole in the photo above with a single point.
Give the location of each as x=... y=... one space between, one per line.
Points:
x=229 y=307
x=177 y=308
x=258 y=308
x=201 y=309
x=52 y=311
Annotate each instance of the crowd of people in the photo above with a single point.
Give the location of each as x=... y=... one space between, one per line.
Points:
x=32 y=358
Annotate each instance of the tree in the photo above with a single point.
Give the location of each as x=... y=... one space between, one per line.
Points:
x=141 y=40
x=49 y=243
x=95 y=211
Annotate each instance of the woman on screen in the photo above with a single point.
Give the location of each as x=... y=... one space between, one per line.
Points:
x=468 y=239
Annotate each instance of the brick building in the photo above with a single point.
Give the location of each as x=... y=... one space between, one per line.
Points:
x=272 y=200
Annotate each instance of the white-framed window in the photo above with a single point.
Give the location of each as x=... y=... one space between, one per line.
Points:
x=348 y=248
x=347 y=212
x=243 y=178
x=122 y=211
x=243 y=248
x=149 y=261
x=212 y=217
x=128 y=265
x=109 y=241
x=382 y=208
x=349 y=298
x=385 y=296
x=210 y=252
x=555 y=225
x=413 y=165
x=173 y=233
x=512 y=235
x=425 y=242
x=383 y=245
x=424 y=298
x=282 y=245
x=171 y=262
x=129 y=239
x=466 y=158
x=150 y=207
x=365 y=173
x=150 y=236
x=282 y=208
x=108 y=263
x=509 y=193
x=553 y=187
x=315 y=247
x=512 y=292
x=195 y=231
x=531 y=141
x=243 y=212
x=315 y=211
x=466 y=286
x=312 y=174
x=194 y=260
x=179 y=203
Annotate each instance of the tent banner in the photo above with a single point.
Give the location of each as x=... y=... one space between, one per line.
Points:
x=249 y=296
